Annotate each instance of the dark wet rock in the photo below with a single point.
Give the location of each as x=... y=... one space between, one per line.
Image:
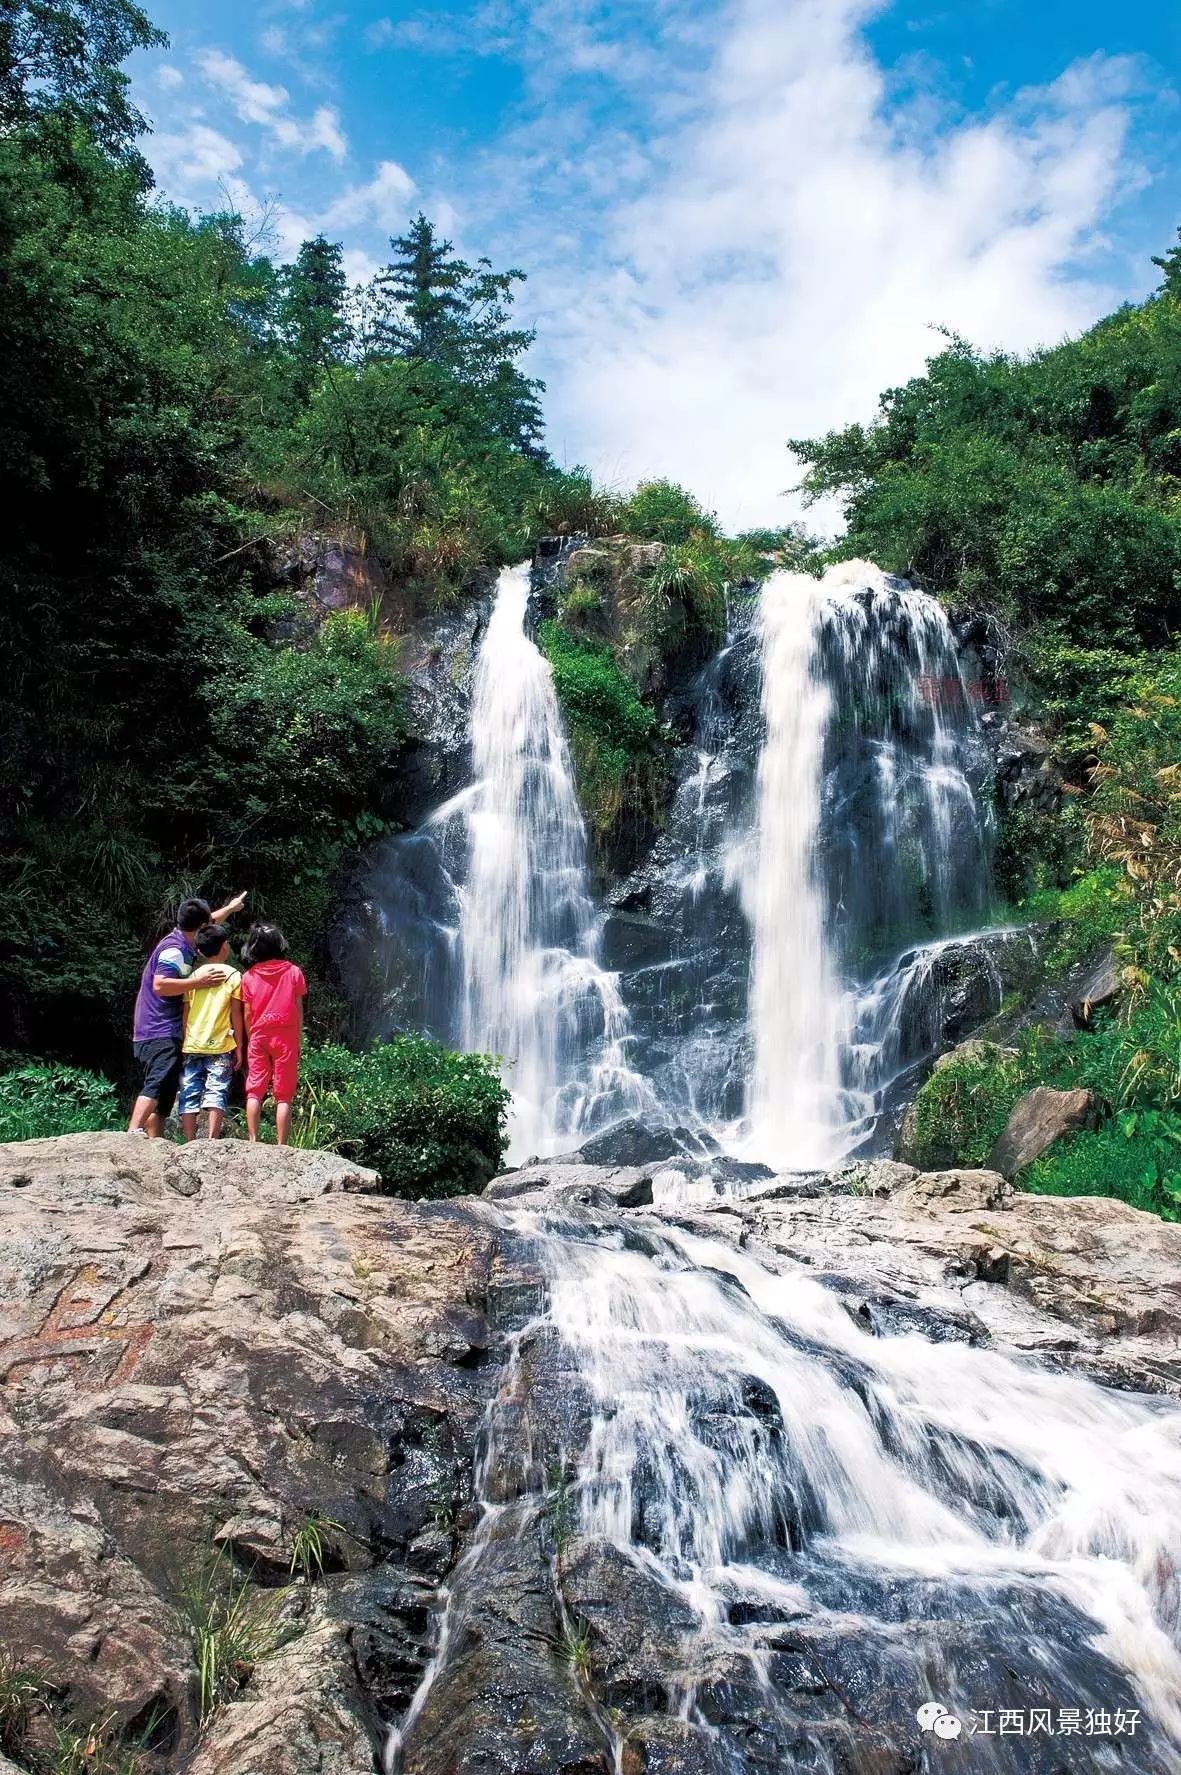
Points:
x=1100 y=988
x=390 y=940
x=638 y=1629
x=887 y=1316
x=672 y=1747
x=1026 y=775
x=511 y=1704
x=633 y=1143
x=1040 y=1118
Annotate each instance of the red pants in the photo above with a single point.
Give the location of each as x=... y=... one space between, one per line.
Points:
x=272 y=1057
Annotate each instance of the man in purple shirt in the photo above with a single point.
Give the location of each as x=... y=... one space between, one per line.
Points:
x=159 y=1026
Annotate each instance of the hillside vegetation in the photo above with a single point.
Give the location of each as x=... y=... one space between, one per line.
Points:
x=1044 y=493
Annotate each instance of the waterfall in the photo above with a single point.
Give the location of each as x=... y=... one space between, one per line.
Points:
x=532 y=989
x=798 y=1010
x=869 y=829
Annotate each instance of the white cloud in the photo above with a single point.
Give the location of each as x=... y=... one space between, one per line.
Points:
x=382 y=203
x=254 y=100
x=358 y=267
x=257 y=101
x=774 y=256
x=169 y=75
x=191 y=163
x=379 y=33
x=326 y=132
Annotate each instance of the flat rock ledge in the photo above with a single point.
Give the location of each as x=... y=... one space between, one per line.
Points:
x=204 y=1350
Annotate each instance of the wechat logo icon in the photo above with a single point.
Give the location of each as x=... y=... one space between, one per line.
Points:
x=934 y=1717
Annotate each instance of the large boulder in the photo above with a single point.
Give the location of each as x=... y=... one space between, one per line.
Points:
x=1037 y=1120
x=203 y=1349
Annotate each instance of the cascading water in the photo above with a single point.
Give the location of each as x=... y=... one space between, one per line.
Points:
x=826 y=1528
x=798 y=1010
x=869 y=824
x=532 y=987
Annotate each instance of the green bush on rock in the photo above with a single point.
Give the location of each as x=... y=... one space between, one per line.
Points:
x=965 y=1103
x=1135 y=1157
x=614 y=736
x=430 y=1121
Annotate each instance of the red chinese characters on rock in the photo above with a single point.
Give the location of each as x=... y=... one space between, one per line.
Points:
x=951 y=692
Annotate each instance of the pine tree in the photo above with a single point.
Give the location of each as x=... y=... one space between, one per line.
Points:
x=421 y=294
x=312 y=313
x=431 y=306
x=1170 y=264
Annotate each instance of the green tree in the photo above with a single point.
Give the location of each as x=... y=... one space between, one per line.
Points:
x=62 y=58
x=430 y=306
x=311 y=314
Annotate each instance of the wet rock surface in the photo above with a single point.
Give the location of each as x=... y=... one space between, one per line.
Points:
x=209 y=1347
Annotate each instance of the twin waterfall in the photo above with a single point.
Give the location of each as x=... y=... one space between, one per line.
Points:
x=864 y=807
x=794 y=1524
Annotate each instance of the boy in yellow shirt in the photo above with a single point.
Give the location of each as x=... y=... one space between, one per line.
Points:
x=215 y=1038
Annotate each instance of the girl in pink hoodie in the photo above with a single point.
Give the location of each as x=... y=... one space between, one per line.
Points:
x=273 y=991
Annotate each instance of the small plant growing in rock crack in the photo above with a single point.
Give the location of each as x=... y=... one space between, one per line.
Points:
x=577 y=1648
x=312 y=1544
x=66 y=1744
x=232 y=1627
x=22 y=1692
x=559 y=1506
x=94 y=1749
x=444 y=1503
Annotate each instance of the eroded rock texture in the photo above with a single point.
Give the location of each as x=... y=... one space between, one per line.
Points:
x=207 y=1347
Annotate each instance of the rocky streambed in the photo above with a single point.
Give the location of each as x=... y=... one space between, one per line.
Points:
x=645 y=1468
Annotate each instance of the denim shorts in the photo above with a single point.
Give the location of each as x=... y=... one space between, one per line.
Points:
x=205 y=1082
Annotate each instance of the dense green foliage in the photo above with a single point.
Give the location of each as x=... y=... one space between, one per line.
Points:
x=174 y=408
x=1136 y=1156
x=38 y=1100
x=614 y=736
x=1041 y=488
x=430 y=1122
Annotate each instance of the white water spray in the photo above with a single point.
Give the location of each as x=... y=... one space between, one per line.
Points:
x=872 y=661
x=533 y=990
x=797 y=1007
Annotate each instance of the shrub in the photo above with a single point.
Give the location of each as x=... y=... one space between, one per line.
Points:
x=430 y=1121
x=615 y=738
x=1095 y=910
x=660 y=511
x=1136 y=1157
x=965 y=1103
x=37 y=1101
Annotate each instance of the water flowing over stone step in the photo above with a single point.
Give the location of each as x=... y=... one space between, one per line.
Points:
x=770 y=1499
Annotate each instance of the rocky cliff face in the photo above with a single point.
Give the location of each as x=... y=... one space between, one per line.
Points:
x=204 y=1351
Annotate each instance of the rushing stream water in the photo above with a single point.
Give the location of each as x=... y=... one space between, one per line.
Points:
x=917 y=1520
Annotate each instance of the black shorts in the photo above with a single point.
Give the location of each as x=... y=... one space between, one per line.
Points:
x=159 y=1071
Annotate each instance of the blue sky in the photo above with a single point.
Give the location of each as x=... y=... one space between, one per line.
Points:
x=740 y=218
